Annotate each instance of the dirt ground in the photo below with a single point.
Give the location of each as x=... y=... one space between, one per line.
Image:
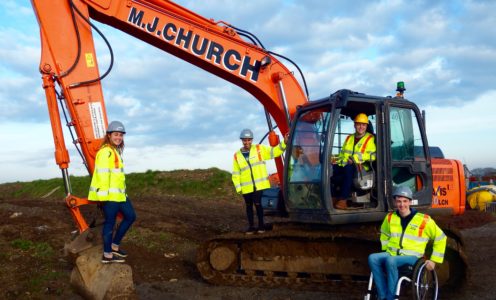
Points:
x=162 y=246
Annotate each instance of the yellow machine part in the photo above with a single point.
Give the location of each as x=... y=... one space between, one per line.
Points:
x=479 y=196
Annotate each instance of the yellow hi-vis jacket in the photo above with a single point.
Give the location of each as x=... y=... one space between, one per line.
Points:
x=413 y=240
x=251 y=174
x=108 y=182
x=361 y=152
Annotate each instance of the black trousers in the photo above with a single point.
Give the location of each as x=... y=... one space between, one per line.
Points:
x=254 y=198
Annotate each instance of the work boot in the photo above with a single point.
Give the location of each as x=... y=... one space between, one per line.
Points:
x=250 y=230
x=341 y=204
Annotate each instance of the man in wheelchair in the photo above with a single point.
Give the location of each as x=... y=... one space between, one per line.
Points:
x=404 y=237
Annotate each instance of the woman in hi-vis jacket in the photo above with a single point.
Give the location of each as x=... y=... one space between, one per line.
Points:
x=108 y=185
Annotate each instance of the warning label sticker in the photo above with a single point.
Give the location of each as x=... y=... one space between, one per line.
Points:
x=90 y=62
x=97 y=119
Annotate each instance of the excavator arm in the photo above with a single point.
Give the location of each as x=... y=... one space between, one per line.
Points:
x=70 y=72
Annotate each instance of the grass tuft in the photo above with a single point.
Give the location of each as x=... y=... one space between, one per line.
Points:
x=41 y=250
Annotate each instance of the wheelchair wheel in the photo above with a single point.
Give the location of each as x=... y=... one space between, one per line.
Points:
x=424 y=283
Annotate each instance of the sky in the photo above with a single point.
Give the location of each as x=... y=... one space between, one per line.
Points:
x=444 y=51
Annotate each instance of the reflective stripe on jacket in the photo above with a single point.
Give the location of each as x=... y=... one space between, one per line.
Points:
x=362 y=152
x=108 y=182
x=253 y=173
x=413 y=240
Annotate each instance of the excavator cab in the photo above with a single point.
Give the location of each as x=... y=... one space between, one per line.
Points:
x=317 y=134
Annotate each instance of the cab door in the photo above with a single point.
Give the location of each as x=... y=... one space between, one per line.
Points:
x=407 y=157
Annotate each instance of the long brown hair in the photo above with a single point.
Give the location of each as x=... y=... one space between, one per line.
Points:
x=106 y=141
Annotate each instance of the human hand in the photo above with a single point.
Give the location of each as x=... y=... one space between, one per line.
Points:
x=430 y=265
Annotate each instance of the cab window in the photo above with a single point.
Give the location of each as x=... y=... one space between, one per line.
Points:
x=406 y=146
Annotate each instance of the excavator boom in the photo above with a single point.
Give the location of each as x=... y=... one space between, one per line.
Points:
x=69 y=61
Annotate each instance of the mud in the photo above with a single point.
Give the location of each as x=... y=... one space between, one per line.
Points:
x=162 y=246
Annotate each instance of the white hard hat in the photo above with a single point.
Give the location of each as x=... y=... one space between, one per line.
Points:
x=116 y=126
x=403 y=191
x=246 y=134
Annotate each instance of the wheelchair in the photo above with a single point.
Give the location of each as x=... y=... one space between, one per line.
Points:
x=423 y=283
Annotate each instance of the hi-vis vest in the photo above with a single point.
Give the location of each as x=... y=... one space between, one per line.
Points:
x=413 y=240
x=360 y=152
x=108 y=182
x=251 y=174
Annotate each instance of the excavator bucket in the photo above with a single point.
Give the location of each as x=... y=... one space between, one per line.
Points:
x=90 y=277
x=94 y=280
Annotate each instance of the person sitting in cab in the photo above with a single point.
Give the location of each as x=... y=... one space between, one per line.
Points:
x=358 y=148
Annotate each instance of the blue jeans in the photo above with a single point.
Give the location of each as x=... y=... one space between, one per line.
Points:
x=384 y=267
x=110 y=211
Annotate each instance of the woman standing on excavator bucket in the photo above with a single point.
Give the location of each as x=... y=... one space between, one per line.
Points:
x=109 y=186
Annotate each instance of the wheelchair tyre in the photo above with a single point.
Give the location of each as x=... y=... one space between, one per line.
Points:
x=425 y=284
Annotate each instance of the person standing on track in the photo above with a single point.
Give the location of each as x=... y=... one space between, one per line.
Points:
x=108 y=185
x=250 y=175
x=404 y=237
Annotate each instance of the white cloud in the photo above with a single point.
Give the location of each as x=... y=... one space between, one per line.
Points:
x=444 y=51
x=465 y=132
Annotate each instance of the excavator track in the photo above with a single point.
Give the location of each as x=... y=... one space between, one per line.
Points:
x=306 y=257
x=290 y=255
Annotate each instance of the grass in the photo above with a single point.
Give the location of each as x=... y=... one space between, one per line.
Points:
x=41 y=250
x=151 y=240
x=36 y=283
x=40 y=188
x=41 y=257
x=207 y=183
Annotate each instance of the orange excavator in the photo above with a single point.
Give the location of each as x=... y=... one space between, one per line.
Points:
x=313 y=242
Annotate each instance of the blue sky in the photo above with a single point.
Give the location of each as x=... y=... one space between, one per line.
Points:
x=180 y=117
